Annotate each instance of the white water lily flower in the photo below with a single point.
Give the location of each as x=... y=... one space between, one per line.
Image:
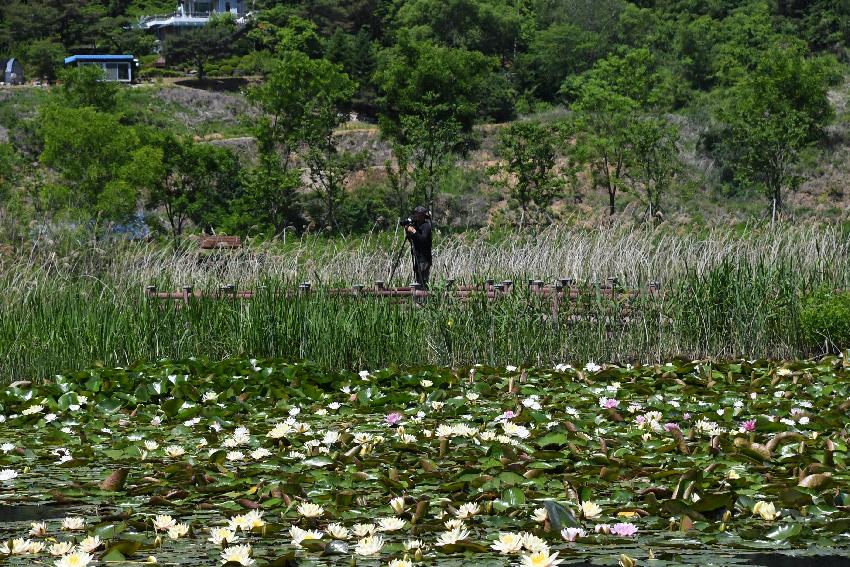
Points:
x=334 y=406
x=219 y=536
x=310 y=510
x=337 y=531
x=8 y=474
x=240 y=554
x=330 y=437
x=468 y=510
x=515 y=430
x=76 y=559
x=17 y=546
x=7 y=447
x=397 y=504
x=390 y=524
x=162 y=522
x=299 y=535
x=571 y=534
x=151 y=445
x=178 y=530
x=508 y=542
x=412 y=544
x=209 y=397
x=60 y=548
x=50 y=418
x=89 y=544
x=242 y=435
x=35 y=547
x=539 y=515
x=234 y=456
x=370 y=545
x=590 y=510
x=540 y=559
x=73 y=523
x=533 y=543
x=260 y=453
x=437 y=406
x=363 y=530
x=454 y=523
x=175 y=451
x=33 y=410
x=279 y=431
x=240 y=522
x=453 y=536
x=400 y=563
x=38 y=529
x=255 y=519
x=766 y=510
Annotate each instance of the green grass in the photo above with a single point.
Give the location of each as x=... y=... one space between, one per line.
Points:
x=68 y=303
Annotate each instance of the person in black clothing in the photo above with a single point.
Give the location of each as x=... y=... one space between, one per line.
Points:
x=419 y=235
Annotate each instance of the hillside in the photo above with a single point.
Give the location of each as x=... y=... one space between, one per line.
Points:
x=511 y=111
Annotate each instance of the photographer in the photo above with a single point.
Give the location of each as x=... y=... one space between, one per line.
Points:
x=418 y=233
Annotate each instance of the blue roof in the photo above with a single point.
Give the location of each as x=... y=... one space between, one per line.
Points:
x=76 y=58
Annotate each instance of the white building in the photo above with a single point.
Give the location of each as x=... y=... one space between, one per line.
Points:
x=194 y=13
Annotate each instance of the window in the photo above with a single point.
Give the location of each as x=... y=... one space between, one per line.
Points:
x=111 y=70
x=123 y=71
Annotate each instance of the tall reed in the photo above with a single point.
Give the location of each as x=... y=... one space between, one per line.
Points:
x=724 y=296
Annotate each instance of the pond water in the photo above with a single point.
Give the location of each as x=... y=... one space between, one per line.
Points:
x=687 y=463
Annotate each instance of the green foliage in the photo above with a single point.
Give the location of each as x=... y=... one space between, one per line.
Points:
x=416 y=78
x=85 y=86
x=103 y=159
x=825 y=319
x=200 y=45
x=770 y=116
x=196 y=183
x=529 y=151
x=608 y=99
x=44 y=58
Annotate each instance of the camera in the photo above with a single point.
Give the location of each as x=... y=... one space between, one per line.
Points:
x=406 y=222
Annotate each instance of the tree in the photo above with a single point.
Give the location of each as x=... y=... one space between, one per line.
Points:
x=529 y=152
x=269 y=200
x=608 y=99
x=553 y=54
x=772 y=114
x=653 y=159
x=199 y=45
x=489 y=26
x=44 y=57
x=101 y=158
x=85 y=86
x=198 y=183
x=429 y=98
x=293 y=99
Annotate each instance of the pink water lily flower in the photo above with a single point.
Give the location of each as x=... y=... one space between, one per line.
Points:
x=624 y=529
x=749 y=425
x=608 y=403
x=393 y=418
x=671 y=426
x=510 y=414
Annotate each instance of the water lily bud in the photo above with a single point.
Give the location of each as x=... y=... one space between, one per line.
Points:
x=418 y=555
x=626 y=561
x=157 y=542
x=727 y=516
x=151 y=559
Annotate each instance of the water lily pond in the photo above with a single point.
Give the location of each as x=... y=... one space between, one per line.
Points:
x=258 y=462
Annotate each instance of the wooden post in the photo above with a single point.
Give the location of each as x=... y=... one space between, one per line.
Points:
x=187 y=291
x=150 y=291
x=379 y=285
x=508 y=284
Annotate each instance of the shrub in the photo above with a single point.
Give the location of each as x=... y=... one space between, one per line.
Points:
x=825 y=320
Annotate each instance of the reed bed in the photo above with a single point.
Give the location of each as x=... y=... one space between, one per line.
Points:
x=67 y=305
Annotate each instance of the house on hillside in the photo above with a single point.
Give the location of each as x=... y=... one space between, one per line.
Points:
x=118 y=68
x=194 y=13
x=11 y=72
